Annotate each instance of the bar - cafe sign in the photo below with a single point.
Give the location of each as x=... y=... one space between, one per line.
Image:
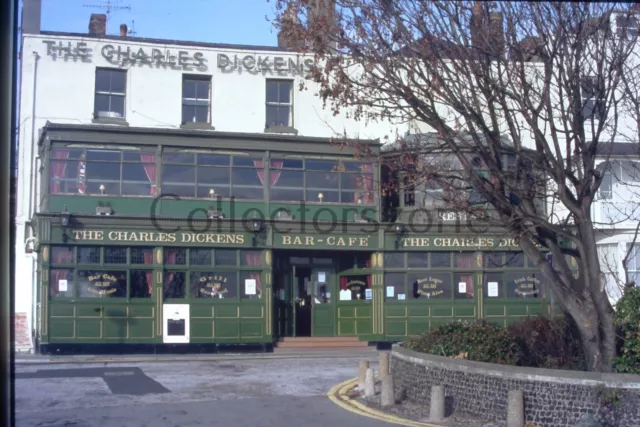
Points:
x=158 y=237
x=328 y=241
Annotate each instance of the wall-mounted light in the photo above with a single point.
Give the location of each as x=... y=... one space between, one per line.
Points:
x=101 y=188
x=320 y=197
x=64 y=217
x=256 y=227
x=212 y=193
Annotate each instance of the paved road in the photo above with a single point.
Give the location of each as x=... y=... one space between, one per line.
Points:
x=257 y=392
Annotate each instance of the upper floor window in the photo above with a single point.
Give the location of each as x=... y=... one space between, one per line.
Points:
x=633 y=263
x=592 y=99
x=319 y=180
x=102 y=171
x=196 y=99
x=279 y=103
x=207 y=175
x=627 y=27
x=110 y=93
x=620 y=181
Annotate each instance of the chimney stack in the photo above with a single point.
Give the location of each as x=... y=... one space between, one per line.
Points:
x=323 y=14
x=31 y=16
x=123 y=30
x=487 y=32
x=98 y=24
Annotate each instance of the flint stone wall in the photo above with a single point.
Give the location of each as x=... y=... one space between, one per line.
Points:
x=552 y=398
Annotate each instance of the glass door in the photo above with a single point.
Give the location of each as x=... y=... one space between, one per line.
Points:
x=323 y=285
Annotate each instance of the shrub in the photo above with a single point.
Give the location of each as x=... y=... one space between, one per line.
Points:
x=479 y=341
x=627 y=321
x=548 y=343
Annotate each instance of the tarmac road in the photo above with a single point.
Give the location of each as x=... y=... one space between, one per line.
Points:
x=235 y=393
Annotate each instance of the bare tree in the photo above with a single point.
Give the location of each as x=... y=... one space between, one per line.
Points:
x=517 y=101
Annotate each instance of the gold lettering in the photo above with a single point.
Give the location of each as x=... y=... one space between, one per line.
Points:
x=200 y=238
x=187 y=237
x=233 y=238
x=240 y=239
x=113 y=235
x=286 y=240
x=352 y=241
x=364 y=241
x=424 y=242
x=210 y=238
x=308 y=240
x=341 y=241
x=331 y=240
x=134 y=237
x=297 y=240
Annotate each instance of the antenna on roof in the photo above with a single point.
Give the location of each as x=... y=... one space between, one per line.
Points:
x=109 y=6
x=132 y=31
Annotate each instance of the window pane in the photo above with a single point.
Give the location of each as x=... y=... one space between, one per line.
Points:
x=201 y=114
x=226 y=256
x=272 y=116
x=104 y=155
x=418 y=259
x=290 y=178
x=286 y=164
x=514 y=259
x=102 y=284
x=115 y=255
x=139 y=156
x=102 y=103
x=141 y=255
x=172 y=157
x=247 y=193
x=283 y=116
x=286 y=195
x=137 y=172
x=175 y=256
x=493 y=260
x=88 y=255
x=327 y=196
x=523 y=285
x=174 y=284
x=440 y=259
x=141 y=284
x=395 y=281
x=463 y=285
x=394 y=259
x=322 y=180
x=117 y=105
x=200 y=256
x=93 y=187
x=254 y=278
x=284 y=92
x=61 y=255
x=213 y=159
x=58 y=279
x=465 y=260
x=272 y=91
x=430 y=285
x=118 y=79
x=321 y=165
x=178 y=174
x=188 y=89
x=212 y=175
x=182 y=190
x=188 y=114
x=246 y=176
x=202 y=89
x=222 y=191
x=103 y=171
x=253 y=258
x=245 y=161
x=103 y=80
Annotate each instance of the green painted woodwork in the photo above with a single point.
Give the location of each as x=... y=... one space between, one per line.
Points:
x=355 y=318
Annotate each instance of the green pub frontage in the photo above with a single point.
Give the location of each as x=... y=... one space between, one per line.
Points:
x=152 y=239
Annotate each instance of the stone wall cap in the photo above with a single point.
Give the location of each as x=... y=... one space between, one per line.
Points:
x=627 y=381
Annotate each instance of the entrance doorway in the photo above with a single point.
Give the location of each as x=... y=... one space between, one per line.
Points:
x=305 y=288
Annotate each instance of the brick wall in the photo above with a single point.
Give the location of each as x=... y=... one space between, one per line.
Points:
x=22 y=333
x=552 y=397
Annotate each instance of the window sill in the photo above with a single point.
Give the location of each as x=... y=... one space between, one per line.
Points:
x=281 y=129
x=110 y=121
x=197 y=126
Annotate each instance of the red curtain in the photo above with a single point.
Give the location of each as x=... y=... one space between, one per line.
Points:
x=171 y=260
x=369 y=281
x=61 y=256
x=368 y=184
x=275 y=171
x=343 y=283
x=58 y=169
x=149 y=164
x=259 y=164
x=466 y=261
x=148 y=259
x=254 y=258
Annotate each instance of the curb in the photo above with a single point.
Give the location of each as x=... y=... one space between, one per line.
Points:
x=339 y=395
x=155 y=359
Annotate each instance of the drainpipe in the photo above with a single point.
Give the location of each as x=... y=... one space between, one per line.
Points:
x=33 y=197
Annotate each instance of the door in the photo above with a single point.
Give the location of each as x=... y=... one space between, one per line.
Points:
x=302 y=301
x=323 y=285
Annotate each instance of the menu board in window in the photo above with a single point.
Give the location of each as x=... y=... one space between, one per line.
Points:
x=357 y=285
x=434 y=285
x=524 y=285
x=211 y=285
x=105 y=284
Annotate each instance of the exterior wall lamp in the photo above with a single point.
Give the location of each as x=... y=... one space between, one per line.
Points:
x=399 y=229
x=256 y=227
x=65 y=216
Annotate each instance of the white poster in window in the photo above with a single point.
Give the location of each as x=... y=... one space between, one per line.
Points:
x=62 y=285
x=328 y=295
x=492 y=288
x=345 y=295
x=250 y=286
x=462 y=287
x=401 y=297
x=322 y=277
x=391 y=291
x=368 y=294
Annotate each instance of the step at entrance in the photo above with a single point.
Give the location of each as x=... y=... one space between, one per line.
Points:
x=320 y=343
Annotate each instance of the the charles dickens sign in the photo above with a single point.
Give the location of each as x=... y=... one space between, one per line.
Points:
x=158 y=237
x=128 y=55
x=263 y=64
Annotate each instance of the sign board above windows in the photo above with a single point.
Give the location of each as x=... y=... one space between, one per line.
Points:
x=176 y=59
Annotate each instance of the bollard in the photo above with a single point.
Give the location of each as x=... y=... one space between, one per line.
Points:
x=364 y=365
x=369 y=384
x=387 y=394
x=436 y=410
x=384 y=364
x=515 y=409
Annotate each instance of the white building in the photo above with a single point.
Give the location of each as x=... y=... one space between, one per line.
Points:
x=95 y=78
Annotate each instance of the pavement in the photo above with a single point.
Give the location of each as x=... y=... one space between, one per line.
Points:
x=178 y=391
